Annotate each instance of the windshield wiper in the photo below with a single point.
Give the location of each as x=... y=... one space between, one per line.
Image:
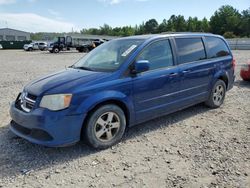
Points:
x=82 y=68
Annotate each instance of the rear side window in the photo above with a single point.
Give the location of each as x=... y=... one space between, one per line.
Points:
x=159 y=55
x=217 y=47
x=190 y=49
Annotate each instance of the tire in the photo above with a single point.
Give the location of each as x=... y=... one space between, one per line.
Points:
x=30 y=49
x=85 y=50
x=105 y=127
x=217 y=95
x=80 y=50
x=56 y=50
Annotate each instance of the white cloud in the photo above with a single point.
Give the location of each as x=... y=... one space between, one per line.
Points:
x=113 y=2
x=5 y=2
x=35 y=23
x=53 y=12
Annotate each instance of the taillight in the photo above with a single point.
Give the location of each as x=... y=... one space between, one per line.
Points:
x=234 y=63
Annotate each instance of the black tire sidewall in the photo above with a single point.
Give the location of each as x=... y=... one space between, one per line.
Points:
x=86 y=50
x=54 y=50
x=90 y=126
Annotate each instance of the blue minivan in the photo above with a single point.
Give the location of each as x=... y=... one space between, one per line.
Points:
x=122 y=83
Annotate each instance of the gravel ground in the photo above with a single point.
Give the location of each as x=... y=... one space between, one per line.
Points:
x=196 y=147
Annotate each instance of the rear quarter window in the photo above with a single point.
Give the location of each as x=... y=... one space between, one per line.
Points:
x=217 y=47
x=190 y=49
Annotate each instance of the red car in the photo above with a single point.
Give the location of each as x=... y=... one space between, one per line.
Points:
x=245 y=71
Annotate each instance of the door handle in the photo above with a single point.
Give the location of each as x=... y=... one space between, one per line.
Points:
x=186 y=71
x=173 y=74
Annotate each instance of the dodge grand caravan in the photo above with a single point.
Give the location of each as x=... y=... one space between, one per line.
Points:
x=122 y=83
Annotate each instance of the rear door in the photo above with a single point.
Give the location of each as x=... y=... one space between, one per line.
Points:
x=196 y=71
x=156 y=90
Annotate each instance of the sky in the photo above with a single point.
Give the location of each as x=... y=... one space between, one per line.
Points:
x=65 y=15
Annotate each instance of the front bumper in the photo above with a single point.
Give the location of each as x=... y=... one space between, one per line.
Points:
x=47 y=128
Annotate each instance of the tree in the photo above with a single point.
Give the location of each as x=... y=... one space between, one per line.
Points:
x=205 y=25
x=191 y=25
x=151 y=26
x=180 y=24
x=226 y=19
x=163 y=26
x=140 y=29
x=171 y=23
x=245 y=23
x=105 y=30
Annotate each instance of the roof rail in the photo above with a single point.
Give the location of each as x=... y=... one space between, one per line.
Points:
x=186 y=32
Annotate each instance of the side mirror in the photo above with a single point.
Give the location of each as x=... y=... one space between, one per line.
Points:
x=140 y=66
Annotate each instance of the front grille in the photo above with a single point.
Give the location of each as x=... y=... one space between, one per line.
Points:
x=26 y=102
x=32 y=97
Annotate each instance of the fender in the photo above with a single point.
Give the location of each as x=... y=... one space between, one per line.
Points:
x=218 y=74
x=91 y=102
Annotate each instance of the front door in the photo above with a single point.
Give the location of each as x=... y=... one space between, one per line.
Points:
x=156 y=90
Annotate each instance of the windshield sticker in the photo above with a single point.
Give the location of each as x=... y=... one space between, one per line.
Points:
x=129 y=50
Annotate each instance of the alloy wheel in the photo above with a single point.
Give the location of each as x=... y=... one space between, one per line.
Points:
x=107 y=126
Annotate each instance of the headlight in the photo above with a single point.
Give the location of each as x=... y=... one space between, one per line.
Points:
x=56 y=102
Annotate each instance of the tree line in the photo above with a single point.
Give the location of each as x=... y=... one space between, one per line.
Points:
x=226 y=21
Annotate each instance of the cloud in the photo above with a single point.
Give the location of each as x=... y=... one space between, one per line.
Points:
x=35 y=23
x=113 y=2
x=5 y=2
x=32 y=1
x=53 y=12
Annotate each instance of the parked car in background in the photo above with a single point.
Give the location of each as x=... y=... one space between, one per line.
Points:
x=42 y=46
x=122 y=83
x=35 y=46
x=1 y=47
x=245 y=72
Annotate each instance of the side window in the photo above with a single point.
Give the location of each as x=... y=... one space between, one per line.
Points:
x=217 y=47
x=190 y=49
x=159 y=55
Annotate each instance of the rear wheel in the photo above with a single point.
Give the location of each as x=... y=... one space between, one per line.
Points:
x=217 y=95
x=30 y=49
x=56 y=50
x=80 y=50
x=85 y=50
x=105 y=126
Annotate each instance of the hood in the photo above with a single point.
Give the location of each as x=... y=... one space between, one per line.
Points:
x=67 y=79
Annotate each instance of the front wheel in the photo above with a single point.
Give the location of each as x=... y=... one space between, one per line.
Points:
x=105 y=126
x=217 y=95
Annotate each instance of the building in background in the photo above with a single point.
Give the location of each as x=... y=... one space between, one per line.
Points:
x=7 y=34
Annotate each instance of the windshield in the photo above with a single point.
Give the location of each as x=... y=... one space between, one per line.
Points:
x=109 y=56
